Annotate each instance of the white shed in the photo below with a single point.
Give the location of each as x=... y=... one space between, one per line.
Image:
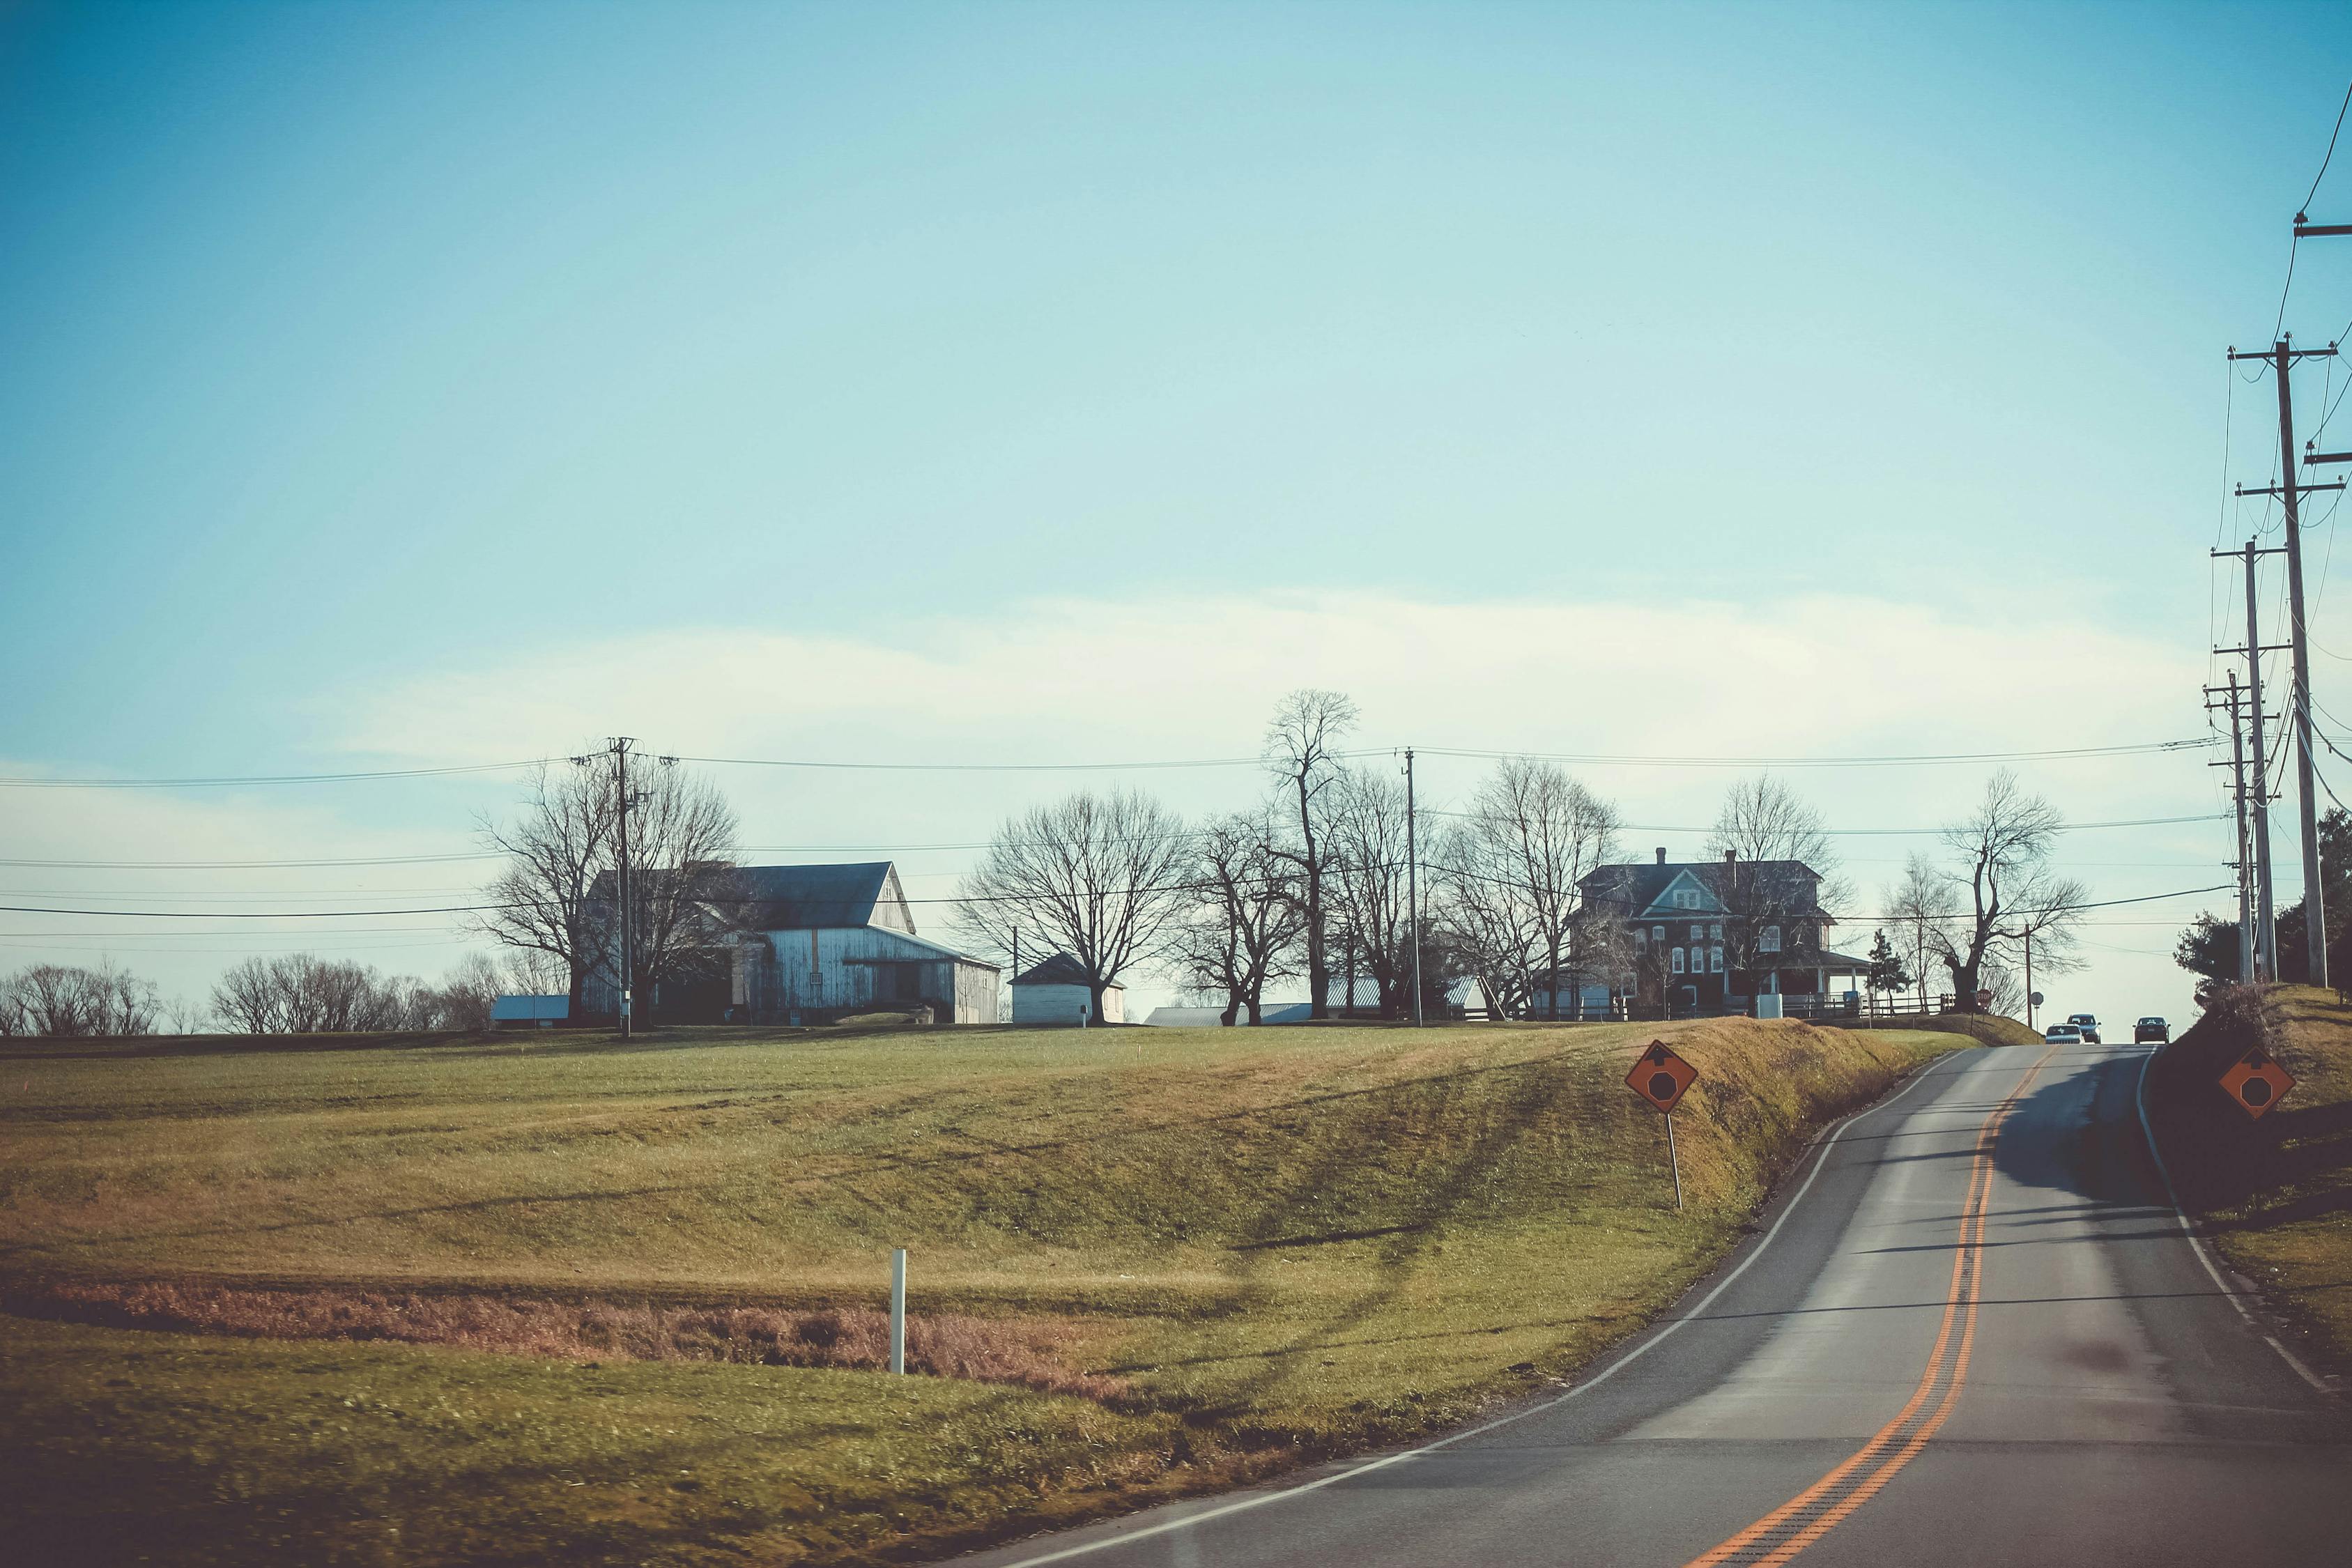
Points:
x=1057 y=991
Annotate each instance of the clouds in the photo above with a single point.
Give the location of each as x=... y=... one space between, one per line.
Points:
x=1073 y=680
x=1136 y=680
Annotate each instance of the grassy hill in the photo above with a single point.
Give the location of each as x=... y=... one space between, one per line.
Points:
x=2276 y=1195
x=525 y=1301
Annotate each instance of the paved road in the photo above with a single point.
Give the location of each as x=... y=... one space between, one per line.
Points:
x=1977 y=1334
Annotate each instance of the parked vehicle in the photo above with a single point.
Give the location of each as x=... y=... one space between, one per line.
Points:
x=2088 y=1025
x=2063 y=1035
x=2151 y=1031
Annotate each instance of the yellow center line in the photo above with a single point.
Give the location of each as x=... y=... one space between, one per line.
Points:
x=1812 y=1513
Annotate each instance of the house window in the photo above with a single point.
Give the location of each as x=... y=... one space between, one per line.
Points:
x=1769 y=939
x=1714 y=931
x=1715 y=960
x=1641 y=940
x=1658 y=934
x=1697 y=931
x=1678 y=960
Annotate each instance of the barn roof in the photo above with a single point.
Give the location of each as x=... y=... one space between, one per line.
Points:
x=1060 y=970
x=810 y=898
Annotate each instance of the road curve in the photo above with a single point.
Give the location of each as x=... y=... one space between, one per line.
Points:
x=1973 y=1331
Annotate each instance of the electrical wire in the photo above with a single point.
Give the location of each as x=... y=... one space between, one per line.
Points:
x=1598 y=759
x=241 y=780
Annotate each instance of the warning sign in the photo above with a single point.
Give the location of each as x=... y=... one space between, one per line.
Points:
x=2256 y=1082
x=1661 y=1077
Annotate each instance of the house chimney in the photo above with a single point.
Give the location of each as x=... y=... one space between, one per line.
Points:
x=1662 y=854
x=1731 y=856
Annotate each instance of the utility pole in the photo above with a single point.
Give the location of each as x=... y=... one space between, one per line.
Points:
x=1413 y=887
x=2029 y=976
x=2281 y=356
x=621 y=878
x=2244 y=859
x=2266 y=907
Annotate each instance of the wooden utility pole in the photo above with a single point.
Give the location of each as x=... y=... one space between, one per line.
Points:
x=2244 y=859
x=1412 y=885
x=621 y=878
x=2281 y=357
x=2265 y=908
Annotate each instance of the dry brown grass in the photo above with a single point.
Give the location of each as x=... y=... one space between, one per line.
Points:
x=1027 y=1352
x=2275 y=1195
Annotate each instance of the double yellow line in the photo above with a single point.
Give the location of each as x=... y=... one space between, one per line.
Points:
x=1812 y=1513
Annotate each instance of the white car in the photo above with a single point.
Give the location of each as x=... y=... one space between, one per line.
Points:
x=2063 y=1034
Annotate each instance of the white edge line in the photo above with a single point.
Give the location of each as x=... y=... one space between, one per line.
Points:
x=2195 y=1242
x=1258 y=1500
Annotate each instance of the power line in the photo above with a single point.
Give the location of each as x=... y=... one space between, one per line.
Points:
x=2330 y=156
x=250 y=865
x=22 y=782
x=1885 y=760
x=982 y=899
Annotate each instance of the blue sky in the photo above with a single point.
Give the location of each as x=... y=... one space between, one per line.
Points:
x=390 y=383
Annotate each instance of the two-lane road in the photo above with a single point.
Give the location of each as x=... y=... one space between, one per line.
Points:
x=1973 y=1331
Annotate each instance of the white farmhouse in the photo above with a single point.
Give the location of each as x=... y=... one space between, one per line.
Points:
x=1057 y=991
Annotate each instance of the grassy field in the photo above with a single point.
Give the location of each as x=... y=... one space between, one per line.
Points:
x=2275 y=1194
x=1245 y=1250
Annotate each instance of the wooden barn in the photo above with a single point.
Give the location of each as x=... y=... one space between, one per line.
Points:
x=816 y=944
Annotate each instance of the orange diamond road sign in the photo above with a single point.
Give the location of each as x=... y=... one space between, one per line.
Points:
x=1661 y=1077
x=2256 y=1082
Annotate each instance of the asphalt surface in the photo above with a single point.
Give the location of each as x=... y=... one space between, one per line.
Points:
x=1973 y=1330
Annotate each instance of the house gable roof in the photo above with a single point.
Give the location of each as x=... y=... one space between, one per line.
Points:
x=1661 y=902
x=1786 y=887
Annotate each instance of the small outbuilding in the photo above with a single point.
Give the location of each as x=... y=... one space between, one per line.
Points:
x=1058 y=992
x=529 y=1012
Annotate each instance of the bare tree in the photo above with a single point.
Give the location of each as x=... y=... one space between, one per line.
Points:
x=1921 y=907
x=71 y=1001
x=1509 y=872
x=302 y=994
x=463 y=999
x=685 y=897
x=246 y=999
x=546 y=900
x=2011 y=893
x=1299 y=753
x=1367 y=841
x=1098 y=877
x=1763 y=821
x=1243 y=917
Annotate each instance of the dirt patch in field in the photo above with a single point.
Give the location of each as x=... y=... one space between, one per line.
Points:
x=1030 y=1353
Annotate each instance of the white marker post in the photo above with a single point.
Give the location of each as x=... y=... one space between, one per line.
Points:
x=899 y=1311
x=1676 y=1161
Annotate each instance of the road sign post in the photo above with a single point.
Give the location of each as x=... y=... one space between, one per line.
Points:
x=1674 y=1162
x=2256 y=1082
x=1662 y=1079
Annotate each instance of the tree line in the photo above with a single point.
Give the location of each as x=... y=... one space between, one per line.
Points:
x=291 y=993
x=1327 y=877
x=1314 y=880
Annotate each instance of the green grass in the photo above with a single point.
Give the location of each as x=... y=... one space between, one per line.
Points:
x=1284 y=1244
x=2275 y=1194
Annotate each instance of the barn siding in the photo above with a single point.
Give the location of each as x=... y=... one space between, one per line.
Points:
x=846 y=970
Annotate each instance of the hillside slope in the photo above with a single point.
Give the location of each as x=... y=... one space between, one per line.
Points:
x=1246 y=1250
x=2276 y=1195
